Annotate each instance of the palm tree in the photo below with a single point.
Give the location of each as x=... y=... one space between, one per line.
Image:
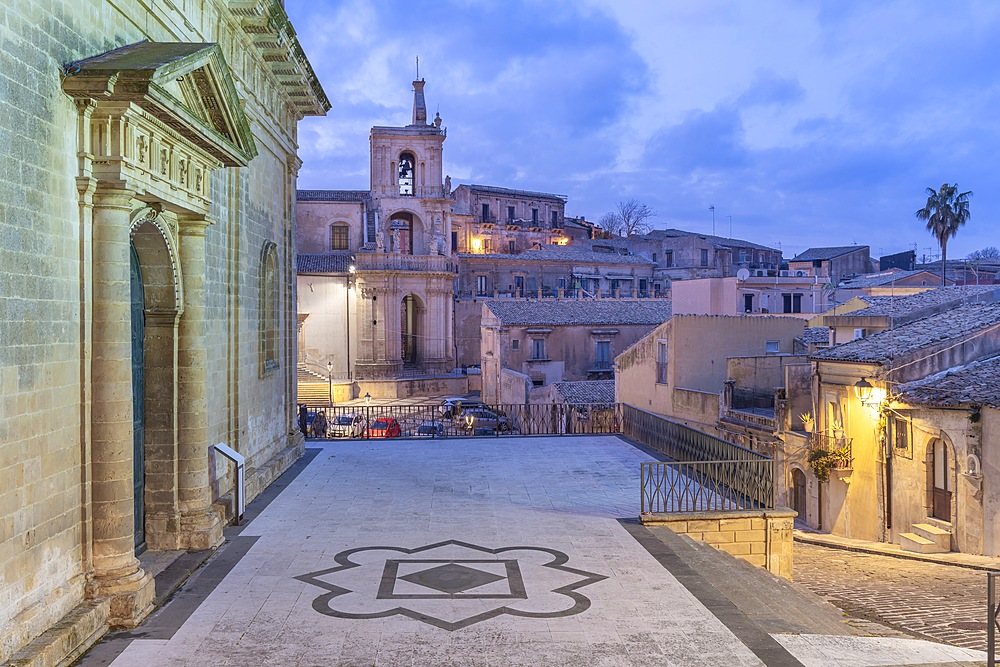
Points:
x=945 y=211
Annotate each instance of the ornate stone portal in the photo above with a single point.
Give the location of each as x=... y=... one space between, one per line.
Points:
x=155 y=119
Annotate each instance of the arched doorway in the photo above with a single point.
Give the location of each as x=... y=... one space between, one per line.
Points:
x=798 y=493
x=138 y=317
x=408 y=316
x=940 y=466
x=401 y=233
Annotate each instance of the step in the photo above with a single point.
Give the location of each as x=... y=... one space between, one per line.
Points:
x=775 y=604
x=938 y=523
x=939 y=536
x=918 y=544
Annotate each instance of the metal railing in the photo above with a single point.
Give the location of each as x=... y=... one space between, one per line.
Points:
x=706 y=486
x=992 y=617
x=706 y=474
x=433 y=421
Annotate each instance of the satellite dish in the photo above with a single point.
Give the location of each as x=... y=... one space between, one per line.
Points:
x=742 y=274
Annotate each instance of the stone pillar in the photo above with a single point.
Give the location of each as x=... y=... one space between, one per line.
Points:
x=117 y=573
x=201 y=525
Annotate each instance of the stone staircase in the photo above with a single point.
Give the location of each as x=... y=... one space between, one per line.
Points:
x=930 y=537
x=313 y=388
x=774 y=604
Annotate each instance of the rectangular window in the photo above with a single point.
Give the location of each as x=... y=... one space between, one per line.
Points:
x=510 y=246
x=771 y=347
x=510 y=214
x=654 y=258
x=661 y=362
x=518 y=285
x=786 y=303
x=643 y=286
x=900 y=433
x=562 y=283
x=454 y=241
x=487 y=245
x=704 y=257
x=603 y=355
x=743 y=256
x=796 y=303
x=481 y=286
x=537 y=348
x=748 y=303
x=534 y=217
x=555 y=218
x=860 y=333
x=668 y=258
x=486 y=213
x=515 y=343
x=339 y=237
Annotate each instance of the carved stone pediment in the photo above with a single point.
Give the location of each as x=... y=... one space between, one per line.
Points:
x=186 y=87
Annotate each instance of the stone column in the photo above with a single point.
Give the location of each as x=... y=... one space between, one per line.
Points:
x=116 y=570
x=201 y=526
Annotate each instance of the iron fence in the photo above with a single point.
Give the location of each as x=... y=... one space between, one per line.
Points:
x=992 y=617
x=706 y=474
x=707 y=486
x=474 y=420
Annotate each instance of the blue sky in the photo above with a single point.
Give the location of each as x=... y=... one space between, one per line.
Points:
x=809 y=123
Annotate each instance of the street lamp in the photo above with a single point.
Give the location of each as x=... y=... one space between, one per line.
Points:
x=329 y=375
x=863 y=390
x=368 y=398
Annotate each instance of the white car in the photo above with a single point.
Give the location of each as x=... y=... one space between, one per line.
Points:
x=348 y=425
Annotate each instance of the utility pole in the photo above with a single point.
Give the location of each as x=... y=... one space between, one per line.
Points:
x=712 y=209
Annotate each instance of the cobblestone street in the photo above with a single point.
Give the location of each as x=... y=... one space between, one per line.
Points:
x=941 y=602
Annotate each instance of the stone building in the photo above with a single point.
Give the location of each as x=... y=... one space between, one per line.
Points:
x=488 y=219
x=680 y=368
x=146 y=300
x=549 y=341
x=832 y=264
x=909 y=462
x=398 y=238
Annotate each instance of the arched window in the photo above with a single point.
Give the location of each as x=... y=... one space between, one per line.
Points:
x=406 y=170
x=269 y=313
x=339 y=236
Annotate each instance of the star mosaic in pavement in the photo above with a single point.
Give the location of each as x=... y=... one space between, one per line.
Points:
x=450 y=585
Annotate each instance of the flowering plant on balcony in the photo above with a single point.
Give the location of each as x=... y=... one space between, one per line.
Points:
x=822 y=461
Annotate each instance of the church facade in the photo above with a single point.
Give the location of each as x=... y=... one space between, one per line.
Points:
x=147 y=295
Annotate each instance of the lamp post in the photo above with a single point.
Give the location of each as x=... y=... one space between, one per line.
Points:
x=329 y=376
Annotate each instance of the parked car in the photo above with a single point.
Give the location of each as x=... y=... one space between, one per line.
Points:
x=384 y=427
x=450 y=406
x=430 y=430
x=476 y=420
x=349 y=425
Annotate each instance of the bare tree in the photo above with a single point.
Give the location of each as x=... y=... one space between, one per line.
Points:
x=989 y=252
x=628 y=219
x=611 y=224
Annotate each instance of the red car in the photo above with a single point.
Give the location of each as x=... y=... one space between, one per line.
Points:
x=384 y=428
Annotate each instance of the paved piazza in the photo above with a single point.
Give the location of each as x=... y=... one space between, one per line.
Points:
x=461 y=552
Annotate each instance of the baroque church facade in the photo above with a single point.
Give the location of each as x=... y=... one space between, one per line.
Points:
x=147 y=295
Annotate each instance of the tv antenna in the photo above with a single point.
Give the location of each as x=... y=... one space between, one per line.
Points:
x=418 y=68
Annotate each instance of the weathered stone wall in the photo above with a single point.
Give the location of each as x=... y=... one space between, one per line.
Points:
x=761 y=538
x=48 y=366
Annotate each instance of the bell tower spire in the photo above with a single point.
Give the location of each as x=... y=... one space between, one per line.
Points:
x=419 y=105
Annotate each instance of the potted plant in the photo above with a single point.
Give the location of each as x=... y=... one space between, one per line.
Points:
x=838 y=429
x=807 y=421
x=822 y=461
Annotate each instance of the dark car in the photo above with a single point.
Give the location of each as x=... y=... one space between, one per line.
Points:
x=430 y=430
x=384 y=427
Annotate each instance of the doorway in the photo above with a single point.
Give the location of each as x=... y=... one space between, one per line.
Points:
x=138 y=318
x=940 y=481
x=799 y=493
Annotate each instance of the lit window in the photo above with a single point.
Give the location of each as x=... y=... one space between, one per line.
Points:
x=406 y=166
